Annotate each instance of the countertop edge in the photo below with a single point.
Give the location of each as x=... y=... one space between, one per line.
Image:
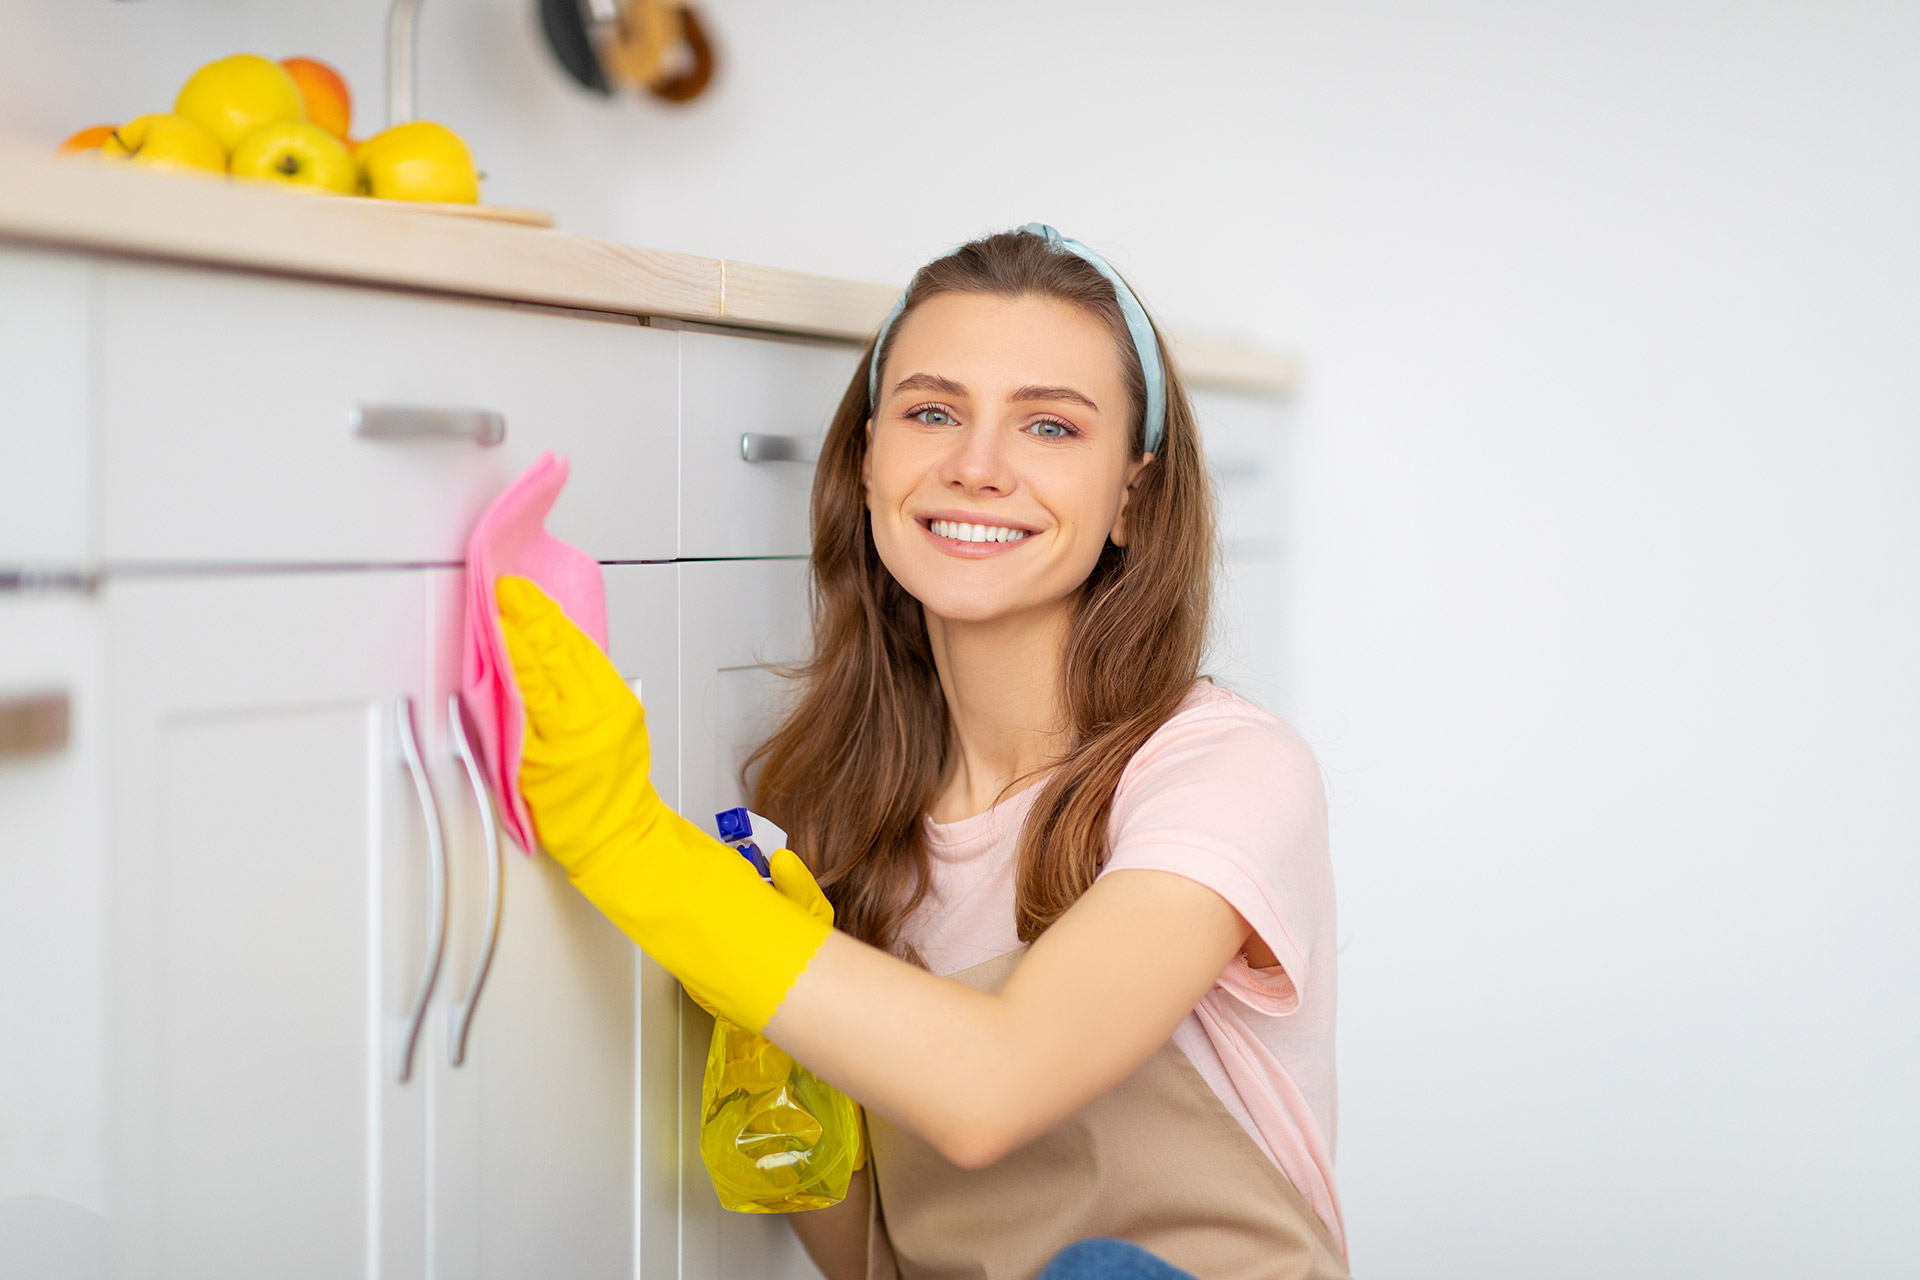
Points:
x=91 y=206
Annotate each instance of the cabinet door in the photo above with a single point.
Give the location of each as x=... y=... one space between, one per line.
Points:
x=534 y=1142
x=269 y=896
x=52 y=939
x=735 y=617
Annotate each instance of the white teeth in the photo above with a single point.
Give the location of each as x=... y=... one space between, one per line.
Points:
x=962 y=531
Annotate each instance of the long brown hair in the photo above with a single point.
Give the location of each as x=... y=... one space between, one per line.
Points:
x=855 y=765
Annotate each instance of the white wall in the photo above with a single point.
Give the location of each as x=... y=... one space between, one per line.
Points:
x=1603 y=593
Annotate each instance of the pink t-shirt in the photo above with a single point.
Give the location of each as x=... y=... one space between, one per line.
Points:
x=1231 y=796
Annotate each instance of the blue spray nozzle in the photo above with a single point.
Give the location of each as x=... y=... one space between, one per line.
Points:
x=734 y=824
x=736 y=830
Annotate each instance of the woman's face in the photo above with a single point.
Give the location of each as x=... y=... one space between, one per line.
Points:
x=997 y=463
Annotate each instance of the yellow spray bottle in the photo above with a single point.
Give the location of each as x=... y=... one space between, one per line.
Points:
x=775 y=1137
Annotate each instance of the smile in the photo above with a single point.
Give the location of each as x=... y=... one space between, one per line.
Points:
x=960 y=531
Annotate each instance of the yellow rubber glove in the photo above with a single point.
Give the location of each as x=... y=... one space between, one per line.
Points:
x=797 y=885
x=691 y=902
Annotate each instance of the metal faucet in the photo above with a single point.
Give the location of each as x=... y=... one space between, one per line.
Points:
x=403 y=20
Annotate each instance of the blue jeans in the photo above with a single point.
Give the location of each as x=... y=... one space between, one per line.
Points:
x=1109 y=1260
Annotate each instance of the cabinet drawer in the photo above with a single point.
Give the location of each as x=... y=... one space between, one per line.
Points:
x=226 y=409
x=730 y=387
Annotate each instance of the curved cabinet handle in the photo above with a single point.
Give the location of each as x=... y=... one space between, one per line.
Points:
x=755 y=447
x=422 y=422
x=460 y=1018
x=407 y=1026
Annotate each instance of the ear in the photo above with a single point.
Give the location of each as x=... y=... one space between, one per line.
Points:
x=1118 y=536
x=866 y=463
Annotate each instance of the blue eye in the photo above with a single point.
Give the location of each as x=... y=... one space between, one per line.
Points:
x=921 y=415
x=1056 y=430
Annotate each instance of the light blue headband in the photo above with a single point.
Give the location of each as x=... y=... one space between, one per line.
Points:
x=1144 y=345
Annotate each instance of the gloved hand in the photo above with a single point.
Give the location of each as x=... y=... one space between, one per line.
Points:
x=753 y=1063
x=797 y=885
x=691 y=902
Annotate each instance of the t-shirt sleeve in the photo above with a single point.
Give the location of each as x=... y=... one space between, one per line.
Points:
x=1231 y=796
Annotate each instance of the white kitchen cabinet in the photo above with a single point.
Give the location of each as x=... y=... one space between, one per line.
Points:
x=782 y=393
x=53 y=983
x=225 y=417
x=271 y=893
x=268 y=903
x=535 y=1139
x=736 y=617
x=219 y=889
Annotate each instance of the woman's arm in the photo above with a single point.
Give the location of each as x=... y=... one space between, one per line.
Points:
x=979 y=1075
x=836 y=1237
x=975 y=1074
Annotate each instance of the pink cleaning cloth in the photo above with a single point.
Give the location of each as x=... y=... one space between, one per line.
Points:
x=511 y=538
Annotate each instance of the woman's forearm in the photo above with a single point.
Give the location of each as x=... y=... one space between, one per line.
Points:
x=977 y=1075
x=926 y=1052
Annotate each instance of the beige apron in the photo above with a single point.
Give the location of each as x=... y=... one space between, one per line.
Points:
x=1157 y=1160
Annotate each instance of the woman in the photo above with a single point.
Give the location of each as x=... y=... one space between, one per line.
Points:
x=1083 y=976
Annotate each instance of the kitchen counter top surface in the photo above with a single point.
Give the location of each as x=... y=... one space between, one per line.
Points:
x=97 y=207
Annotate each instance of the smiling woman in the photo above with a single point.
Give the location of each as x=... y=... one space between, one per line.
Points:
x=1003 y=770
x=1079 y=964
x=981 y=404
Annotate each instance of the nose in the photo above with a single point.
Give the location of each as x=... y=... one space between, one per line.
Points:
x=977 y=461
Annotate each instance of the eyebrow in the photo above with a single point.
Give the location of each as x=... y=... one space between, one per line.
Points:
x=930 y=382
x=1054 y=393
x=947 y=386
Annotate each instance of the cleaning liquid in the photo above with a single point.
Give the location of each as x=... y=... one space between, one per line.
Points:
x=775 y=1137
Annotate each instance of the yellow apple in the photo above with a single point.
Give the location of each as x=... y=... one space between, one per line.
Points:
x=165 y=142
x=419 y=160
x=234 y=96
x=295 y=153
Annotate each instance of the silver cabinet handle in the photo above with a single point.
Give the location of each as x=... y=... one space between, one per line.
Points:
x=418 y=422
x=35 y=723
x=407 y=1026
x=460 y=1020
x=755 y=447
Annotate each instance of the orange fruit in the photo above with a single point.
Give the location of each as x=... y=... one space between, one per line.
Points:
x=329 y=103
x=86 y=140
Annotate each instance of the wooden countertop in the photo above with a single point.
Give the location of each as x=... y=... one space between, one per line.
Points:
x=87 y=205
